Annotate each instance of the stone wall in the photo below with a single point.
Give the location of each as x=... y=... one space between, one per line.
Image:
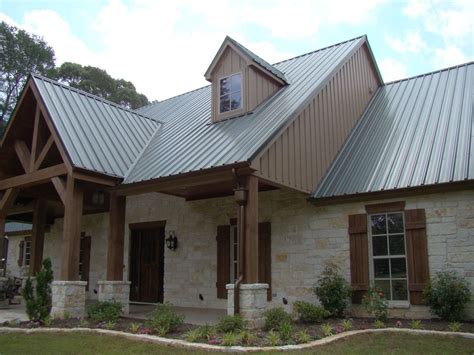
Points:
x=13 y=269
x=304 y=239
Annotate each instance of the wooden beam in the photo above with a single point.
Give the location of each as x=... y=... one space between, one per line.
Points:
x=21 y=209
x=34 y=141
x=8 y=199
x=100 y=180
x=43 y=153
x=60 y=187
x=37 y=237
x=33 y=178
x=116 y=239
x=23 y=154
x=251 y=232
x=71 y=231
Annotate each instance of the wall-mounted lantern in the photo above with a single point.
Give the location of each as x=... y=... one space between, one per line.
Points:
x=172 y=241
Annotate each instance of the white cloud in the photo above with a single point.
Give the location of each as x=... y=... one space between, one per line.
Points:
x=392 y=69
x=448 y=56
x=411 y=43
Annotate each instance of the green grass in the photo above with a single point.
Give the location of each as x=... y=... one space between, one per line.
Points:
x=103 y=344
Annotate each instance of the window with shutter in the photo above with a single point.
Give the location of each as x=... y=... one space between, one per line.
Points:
x=359 y=256
x=223 y=260
x=21 y=251
x=265 y=256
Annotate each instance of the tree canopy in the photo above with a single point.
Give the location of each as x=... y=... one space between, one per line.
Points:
x=22 y=53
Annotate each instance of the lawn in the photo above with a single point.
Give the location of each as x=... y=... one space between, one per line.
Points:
x=388 y=343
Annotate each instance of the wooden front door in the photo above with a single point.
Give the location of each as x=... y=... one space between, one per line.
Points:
x=146 y=264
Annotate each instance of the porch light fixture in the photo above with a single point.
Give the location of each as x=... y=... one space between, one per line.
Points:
x=172 y=241
x=240 y=195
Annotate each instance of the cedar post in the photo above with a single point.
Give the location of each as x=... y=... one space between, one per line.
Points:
x=6 y=201
x=115 y=243
x=2 y=234
x=251 y=232
x=72 y=230
x=37 y=237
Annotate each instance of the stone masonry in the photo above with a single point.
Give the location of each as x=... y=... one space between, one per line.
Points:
x=118 y=291
x=253 y=302
x=69 y=298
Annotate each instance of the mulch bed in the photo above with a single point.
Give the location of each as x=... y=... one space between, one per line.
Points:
x=313 y=330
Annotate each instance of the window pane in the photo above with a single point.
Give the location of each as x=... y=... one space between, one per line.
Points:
x=395 y=223
x=236 y=101
x=224 y=86
x=235 y=81
x=384 y=286
x=399 y=290
x=379 y=245
x=378 y=224
x=225 y=104
x=381 y=268
x=397 y=244
x=398 y=267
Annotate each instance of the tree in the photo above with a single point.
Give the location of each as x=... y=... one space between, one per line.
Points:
x=98 y=82
x=20 y=54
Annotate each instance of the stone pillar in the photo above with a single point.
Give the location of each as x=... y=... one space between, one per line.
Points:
x=69 y=297
x=253 y=302
x=118 y=291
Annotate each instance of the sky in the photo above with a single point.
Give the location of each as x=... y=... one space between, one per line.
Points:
x=165 y=47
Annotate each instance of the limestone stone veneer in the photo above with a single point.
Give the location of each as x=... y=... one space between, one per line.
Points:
x=68 y=298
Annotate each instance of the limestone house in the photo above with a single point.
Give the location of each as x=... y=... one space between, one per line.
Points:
x=251 y=184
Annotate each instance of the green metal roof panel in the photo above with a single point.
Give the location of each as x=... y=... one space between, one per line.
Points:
x=188 y=141
x=97 y=134
x=415 y=132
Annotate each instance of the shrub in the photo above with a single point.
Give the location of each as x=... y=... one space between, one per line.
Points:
x=164 y=319
x=110 y=325
x=327 y=330
x=346 y=325
x=193 y=335
x=200 y=334
x=415 y=324
x=107 y=311
x=230 y=324
x=286 y=332
x=309 y=313
x=332 y=291
x=275 y=317
x=230 y=339
x=248 y=337
x=447 y=295
x=134 y=327
x=378 y=324
x=38 y=302
x=455 y=326
x=376 y=304
x=273 y=338
x=302 y=337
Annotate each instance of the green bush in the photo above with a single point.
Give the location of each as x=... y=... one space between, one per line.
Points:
x=107 y=311
x=275 y=318
x=332 y=291
x=164 y=319
x=231 y=339
x=447 y=295
x=376 y=304
x=286 y=331
x=228 y=324
x=309 y=313
x=38 y=302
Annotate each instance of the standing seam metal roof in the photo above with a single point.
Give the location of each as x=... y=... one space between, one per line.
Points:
x=415 y=132
x=188 y=141
x=97 y=134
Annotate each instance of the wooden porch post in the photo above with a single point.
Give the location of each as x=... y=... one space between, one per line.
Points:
x=115 y=243
x=37 y=237
x=2 y=234
x=71 y=230
x=7 y=200
x=251 y=232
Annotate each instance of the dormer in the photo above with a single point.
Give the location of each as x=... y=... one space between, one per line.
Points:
x=241 y=81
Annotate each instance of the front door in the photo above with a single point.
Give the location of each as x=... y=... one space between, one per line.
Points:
x=146 y=264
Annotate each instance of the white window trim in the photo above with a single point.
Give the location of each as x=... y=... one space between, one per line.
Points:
x=241 y=93
x=391 y=304
x=24 y=252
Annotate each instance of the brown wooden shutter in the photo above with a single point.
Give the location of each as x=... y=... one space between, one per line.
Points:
x=417 y=254
x=21 y=252
x=265 y=256
x=359 y=256
x=223 y=260
x=85 y=259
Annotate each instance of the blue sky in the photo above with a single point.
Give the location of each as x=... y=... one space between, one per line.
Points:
x=164 y=47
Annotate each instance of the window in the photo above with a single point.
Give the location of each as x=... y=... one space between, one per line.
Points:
x=27 y=252
x=230 y=93
x=388 y=266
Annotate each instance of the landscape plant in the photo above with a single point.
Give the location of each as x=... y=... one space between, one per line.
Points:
x=38 y=299
x=105 y=311
x=228 y=324
x=332 y=291
x=309 y=313
x=164 y=319
x=275 y=317
x=376 y=304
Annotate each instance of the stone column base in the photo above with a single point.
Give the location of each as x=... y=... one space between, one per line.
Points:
x=69 y=298
x=253 y=302
x=118 y=291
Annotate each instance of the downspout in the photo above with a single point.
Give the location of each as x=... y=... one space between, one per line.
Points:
x=240 y=194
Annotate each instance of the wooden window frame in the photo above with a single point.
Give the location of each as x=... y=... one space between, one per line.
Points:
x=219 y=112
x=27 y=251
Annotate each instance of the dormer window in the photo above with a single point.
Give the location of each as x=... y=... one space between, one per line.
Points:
x=230 y=93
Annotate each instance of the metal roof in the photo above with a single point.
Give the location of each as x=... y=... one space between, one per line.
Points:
x=415 y=132
x=17 y=227
x=189 y=141
x=97 y=134
x=272 y=69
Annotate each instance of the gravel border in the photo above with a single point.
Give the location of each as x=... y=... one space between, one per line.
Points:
x=206 y=347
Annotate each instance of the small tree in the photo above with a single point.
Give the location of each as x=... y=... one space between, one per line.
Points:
x=332 y=290
x=38 y=302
